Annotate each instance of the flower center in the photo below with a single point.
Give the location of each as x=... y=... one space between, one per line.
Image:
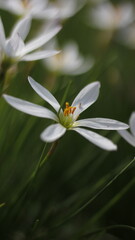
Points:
x=25 y=3
x=68 y=109
x=67 y=116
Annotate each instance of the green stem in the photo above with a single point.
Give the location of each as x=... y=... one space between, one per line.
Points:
x=106 y=229
x=92 y=199
x=7 y=72
x=2 y=80
x=41 y=162
x=21 y=196
x=38 y=165
x=65 y=95
x=50 y=152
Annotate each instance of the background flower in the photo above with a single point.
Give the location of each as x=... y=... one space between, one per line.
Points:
x=14 y=48
x=105 y=15
x=35 y=8
x=69 y=61
x=43 y=9
x=129 y=137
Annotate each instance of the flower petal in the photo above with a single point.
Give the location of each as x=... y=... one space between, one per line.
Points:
x=22 y=28
x=97 y=139
x=87 y=96
x=69 y=8
x=14 y=46
x=2 y=35
x=39 y=55
x=102 y=123
x=128 y=137
x=44 y=93
x=13 y=6
x=30 y=108
x=40 y=41
x=49 y=13
x=53 y=132
x=132 y=123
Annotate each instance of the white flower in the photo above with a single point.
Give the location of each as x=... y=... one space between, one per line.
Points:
x=129 y=137
x=67 y=8
x=127 y=36
x=14 y=47
x=107 y=16
x=35 y=8
x=69 y=61
x=43 y=9
x=67 y=119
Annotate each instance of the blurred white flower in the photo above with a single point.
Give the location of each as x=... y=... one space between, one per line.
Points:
x=43 y=9
x=67 y=8
x=67 y=119
x=14 y=48
x=129 y=137
x=126 y=36
x=107 y=16
x=35 y=8
x=69 y=61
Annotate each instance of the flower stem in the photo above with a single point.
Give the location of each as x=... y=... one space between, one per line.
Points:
x=25 y=189
x=50 y=152
x=2 y=78
x=65 y=95
x=42 y=162
x=38 y=165
x=7 y=73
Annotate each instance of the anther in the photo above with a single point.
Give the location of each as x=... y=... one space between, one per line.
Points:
x=68 y=109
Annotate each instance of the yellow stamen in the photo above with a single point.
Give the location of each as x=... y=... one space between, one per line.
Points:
x=25 y=3
x=68 y=109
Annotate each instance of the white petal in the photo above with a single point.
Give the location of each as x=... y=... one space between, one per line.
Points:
x=69 y=8
x=22 y=28
x=128 y=137
x=30 y=108
x=102 y=123
x=49 y=13
x=87 y=96
x=53 y=132
x=44 y=93
x=97 y=139
x=39 y=55
x=103 y=15
x=132 y=123
x=84 y=67
x=40 y=41
x=14 y=46
x=2 y=35
x=13 y=6
x=127 y=14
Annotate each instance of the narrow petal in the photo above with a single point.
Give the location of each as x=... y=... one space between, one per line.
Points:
x=44 y=93
x=40 y=41
x=102 y=123
x=22 y=28
x=128 y=137
x=39 y=55
x=97 y=139
x=49 y=13
x=2 y=35
x=132 y=123
x=13 y=6
x=53 y=132
x=30 y=108
x=87 y=96
x=14 y=46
